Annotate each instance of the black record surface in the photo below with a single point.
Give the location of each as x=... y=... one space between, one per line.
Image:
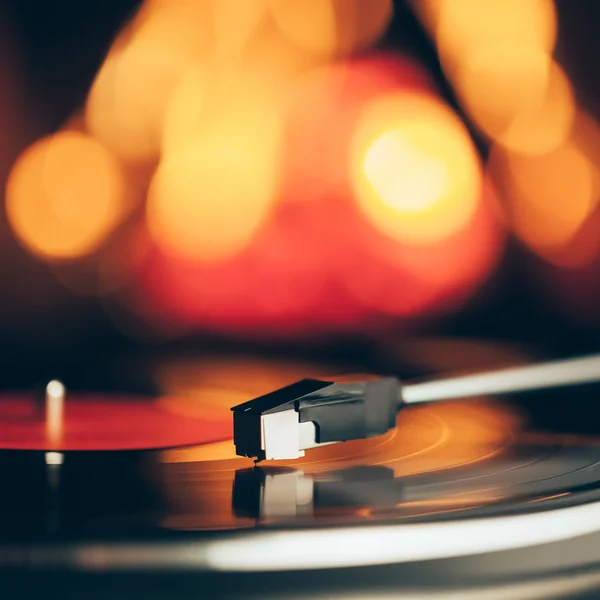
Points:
x=483 y=461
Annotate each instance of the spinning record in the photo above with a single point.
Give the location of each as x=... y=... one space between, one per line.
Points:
x=446 y=466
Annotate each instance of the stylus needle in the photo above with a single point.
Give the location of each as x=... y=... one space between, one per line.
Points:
x=309 y=413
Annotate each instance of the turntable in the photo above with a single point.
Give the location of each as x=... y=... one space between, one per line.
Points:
x=481 y=496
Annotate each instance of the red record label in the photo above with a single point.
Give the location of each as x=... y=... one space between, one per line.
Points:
x=103 y=422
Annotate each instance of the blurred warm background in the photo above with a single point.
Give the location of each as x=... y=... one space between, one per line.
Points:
x=296 y=174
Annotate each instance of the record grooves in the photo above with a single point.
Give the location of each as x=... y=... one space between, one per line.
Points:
x=444 y=470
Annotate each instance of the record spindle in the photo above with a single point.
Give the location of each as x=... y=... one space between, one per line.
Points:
x=54 y=408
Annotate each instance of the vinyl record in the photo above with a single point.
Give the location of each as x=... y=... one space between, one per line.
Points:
x=453 y=480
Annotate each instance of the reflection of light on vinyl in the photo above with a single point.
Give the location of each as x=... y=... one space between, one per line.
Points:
x=443 y=461
x=438 y=437
x=428 y=439
x=476 y=481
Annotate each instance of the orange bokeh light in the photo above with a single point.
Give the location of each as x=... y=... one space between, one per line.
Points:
x=464 y=27
x=549 y=196
x=200 y=29
x=185 y=27
x=212 y=193
x=332 y=27
x=65 y=196
x=498 y=56
x=128 y=100
x=415 y=172
x=518 y=96
x=234 y=24
x=185 y=110
x=271 y=56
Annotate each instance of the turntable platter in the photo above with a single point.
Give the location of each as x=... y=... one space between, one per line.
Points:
x=453 y=481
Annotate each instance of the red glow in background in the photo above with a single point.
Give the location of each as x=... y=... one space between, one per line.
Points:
x=238 y=173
